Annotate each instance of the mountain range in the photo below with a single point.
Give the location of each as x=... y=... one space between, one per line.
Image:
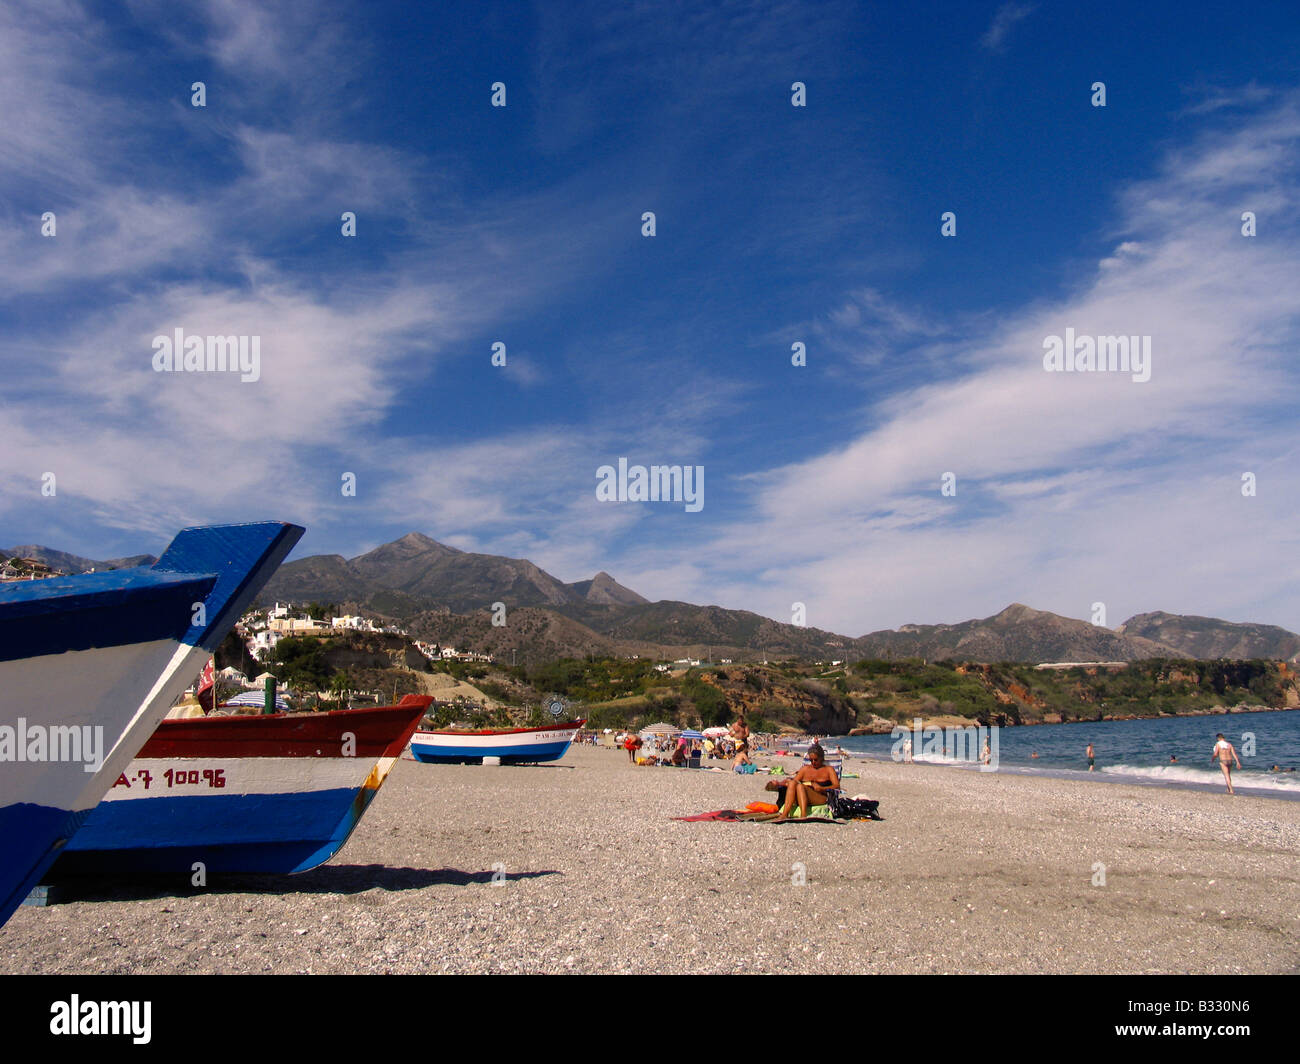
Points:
x=447 y=595
x=73 y=564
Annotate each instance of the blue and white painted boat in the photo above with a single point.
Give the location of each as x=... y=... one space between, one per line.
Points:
x=267 y=794
x=514 y=746
x=89 y=666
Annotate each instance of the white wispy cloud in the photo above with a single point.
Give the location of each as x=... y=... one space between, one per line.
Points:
x=339 y=349
x=1007 y=16
x=1072 y=488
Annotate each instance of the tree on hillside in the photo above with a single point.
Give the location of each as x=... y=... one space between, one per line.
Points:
x=340 y=687
x=300 y=662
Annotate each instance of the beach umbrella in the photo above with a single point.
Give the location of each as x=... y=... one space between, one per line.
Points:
x=256 y=698
x=690 y=734
x=713 y=733
x=660 y=729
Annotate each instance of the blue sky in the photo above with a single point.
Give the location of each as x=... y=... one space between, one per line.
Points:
x=775 y=224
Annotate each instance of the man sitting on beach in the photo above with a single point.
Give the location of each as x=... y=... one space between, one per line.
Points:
x=811 y=785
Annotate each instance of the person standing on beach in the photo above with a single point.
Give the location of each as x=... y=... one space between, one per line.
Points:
x=1092 y=761
x=740 y=732
x=1223 y=750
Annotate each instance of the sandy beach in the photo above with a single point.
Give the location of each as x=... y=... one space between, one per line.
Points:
x=968 y=872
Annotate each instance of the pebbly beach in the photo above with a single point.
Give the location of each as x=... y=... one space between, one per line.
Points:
x=578 y=866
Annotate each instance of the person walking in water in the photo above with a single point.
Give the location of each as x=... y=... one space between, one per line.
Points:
x=1092 y=761
x=1225 y=753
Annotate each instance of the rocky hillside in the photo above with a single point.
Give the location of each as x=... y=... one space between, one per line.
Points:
x=416 y=573
x=1018 y=633
x=806 y=704
x=1208 y=637
x=73 y=564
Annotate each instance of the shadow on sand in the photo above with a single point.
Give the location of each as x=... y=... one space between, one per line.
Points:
x=327 y=879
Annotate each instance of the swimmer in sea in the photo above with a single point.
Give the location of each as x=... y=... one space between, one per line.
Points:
x=1224 y=752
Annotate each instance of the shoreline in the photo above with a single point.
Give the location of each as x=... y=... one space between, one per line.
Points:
x=968 y=872
x=1108 y=775
x=952 y=721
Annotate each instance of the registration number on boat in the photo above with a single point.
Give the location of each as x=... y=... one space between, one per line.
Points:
x=177 y=777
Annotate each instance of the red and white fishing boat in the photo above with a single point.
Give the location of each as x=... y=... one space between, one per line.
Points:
x=274 y=793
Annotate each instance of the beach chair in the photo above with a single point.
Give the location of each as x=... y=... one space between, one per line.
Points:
x=835 y=761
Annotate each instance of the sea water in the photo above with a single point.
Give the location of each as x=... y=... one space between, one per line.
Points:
x=1138 y=751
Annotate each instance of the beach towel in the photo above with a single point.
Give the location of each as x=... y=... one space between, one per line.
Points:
x=717 y=814
x=817 y=814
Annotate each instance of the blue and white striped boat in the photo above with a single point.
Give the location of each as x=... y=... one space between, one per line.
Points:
x=89 y=666
x=514 y=746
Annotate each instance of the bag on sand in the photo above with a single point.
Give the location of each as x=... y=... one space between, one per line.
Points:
x=855 y=808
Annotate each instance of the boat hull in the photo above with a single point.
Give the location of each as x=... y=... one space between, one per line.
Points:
x=89 y=666
x=242 y=795
x=514 y=746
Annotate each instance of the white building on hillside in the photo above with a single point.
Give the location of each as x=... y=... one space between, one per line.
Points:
x=264 y=643
x=298 y=626
x=356 y=624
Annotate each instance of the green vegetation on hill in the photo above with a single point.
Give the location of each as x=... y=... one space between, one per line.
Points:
x=301 y=663
x=632 y=692
x=593 y=679
x=1023 y=694
x=897 y=689
x=1150 y=688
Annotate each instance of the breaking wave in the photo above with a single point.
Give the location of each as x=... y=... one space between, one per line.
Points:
x=1264 y=781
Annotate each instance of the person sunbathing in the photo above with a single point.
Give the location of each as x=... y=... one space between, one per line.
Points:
x=811 y=785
